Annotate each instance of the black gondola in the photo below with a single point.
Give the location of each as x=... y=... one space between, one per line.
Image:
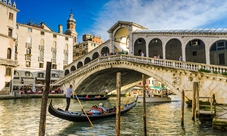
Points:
x=92 y=97
x=79 y=116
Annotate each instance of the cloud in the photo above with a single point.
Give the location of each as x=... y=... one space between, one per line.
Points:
x=159 y=14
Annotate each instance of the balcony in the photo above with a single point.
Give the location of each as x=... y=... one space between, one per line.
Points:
x=41 y=59
x=53 y=61
x=8 y=62
x=53 y=49
x=41 y=47
x=28 y=57
x=65 y=62
x=28 y=45
x=65 y=51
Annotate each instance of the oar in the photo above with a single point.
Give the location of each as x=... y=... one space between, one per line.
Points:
x=83 y=110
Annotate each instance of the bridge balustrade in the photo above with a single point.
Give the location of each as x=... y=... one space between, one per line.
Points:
x=192 y=66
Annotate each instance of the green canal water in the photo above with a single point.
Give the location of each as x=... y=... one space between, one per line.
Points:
x=21 y=118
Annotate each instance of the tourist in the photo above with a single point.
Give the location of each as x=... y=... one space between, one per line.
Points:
x=101 y=106
x=180 y=58
x=68 y=96
x=142 y=54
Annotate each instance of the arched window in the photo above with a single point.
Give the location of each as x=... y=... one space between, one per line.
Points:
x=66 y=46
x=54 y=45
x=8 y=53
x=28 y=51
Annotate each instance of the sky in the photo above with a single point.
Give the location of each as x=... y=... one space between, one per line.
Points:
x=97 y=17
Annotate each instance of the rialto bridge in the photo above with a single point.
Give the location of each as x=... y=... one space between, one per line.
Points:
x=199 y=48
x=100 y=73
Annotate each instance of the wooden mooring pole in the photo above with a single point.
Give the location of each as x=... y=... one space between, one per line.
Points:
x=42 y=122
x=144 y=106
x=118 y=103
x=182 y=108
x=195 y=86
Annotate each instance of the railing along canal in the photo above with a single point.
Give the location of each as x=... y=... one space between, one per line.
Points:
x=192 y=66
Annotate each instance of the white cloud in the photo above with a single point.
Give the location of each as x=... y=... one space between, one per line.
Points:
x=160 y=14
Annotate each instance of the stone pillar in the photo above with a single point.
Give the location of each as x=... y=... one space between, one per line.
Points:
x=111 y=42
x=130 y=41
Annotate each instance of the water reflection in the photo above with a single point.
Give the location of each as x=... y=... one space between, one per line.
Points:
x=21 y=117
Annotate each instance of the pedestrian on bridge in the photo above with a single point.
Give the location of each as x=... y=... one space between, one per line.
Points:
x=68 y=96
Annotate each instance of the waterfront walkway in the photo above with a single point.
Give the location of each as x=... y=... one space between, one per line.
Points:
x=20 y=96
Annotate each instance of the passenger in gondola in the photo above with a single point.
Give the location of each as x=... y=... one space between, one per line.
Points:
x=101 y=106
x=87 y=97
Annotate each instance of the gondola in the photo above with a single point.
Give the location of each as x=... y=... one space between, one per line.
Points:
x=80 y=116
x=92 y=97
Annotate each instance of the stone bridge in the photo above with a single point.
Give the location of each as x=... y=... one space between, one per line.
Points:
x=100 y=73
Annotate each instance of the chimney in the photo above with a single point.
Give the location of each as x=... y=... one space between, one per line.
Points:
x=60 y=29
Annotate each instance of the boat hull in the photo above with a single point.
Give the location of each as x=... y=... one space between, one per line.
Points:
x=155 y=99
x=80 y=117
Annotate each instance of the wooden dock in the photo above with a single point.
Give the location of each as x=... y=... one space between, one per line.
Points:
x=213 y=112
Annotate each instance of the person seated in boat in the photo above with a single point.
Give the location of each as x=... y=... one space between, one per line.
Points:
x=87 y=97
x=98 y=96
x=101 y=106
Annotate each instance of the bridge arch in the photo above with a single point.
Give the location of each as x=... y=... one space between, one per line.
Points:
x=140 y=46
x=155 y=48
x=79 y=64
x=218 y=53
x=95 y=55
x=87 y=60
x=88 y=82
x=195 y=51
x=66 y=72
x=173 y=49
x=105 y=50
x=73 y=68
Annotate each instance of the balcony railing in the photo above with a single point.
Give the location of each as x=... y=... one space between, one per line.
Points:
x=53 y=49
x=41 y=47
x=53 y=61
x=28 y=45
x=65 y=51
x=27 y=57
x=41 y=59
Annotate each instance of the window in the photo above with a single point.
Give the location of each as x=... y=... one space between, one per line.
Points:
x=8 y=71
x=10 y=16
x=40 y=65
x=10 y=32
x=66 y=38
x=54 y=66
x=28 y=51
x=8 y=53
x=42 y=33
x=28 y=64
x=41 y=75
x=29 y=30
x=17 y=26
x=77 y=46
x=77 y=54
x=54 y=35
x=27 y=73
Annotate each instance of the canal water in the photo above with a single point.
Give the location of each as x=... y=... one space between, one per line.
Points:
x=21 y=118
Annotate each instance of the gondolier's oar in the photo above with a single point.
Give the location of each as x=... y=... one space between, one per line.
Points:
x=83 y=110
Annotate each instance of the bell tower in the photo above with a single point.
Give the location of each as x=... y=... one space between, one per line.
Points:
x=71 y=27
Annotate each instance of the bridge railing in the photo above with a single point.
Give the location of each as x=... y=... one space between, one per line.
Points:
x=192 y=66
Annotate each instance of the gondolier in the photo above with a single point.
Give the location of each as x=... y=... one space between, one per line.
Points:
x=68 y=96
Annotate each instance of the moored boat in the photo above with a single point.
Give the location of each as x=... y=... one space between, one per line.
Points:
x=155 y=99
x=92 y=97
x=80 y=116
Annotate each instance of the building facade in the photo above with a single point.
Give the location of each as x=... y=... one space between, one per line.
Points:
x=26 y=48
x=89 y=43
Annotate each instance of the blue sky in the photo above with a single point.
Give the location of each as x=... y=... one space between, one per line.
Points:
x=96 y=17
